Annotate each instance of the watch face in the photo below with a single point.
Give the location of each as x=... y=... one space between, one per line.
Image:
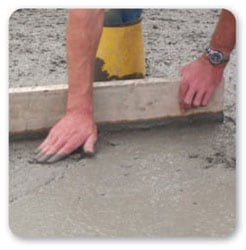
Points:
x=216 y=57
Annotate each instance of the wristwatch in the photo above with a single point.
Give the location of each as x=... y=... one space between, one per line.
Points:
x=216 y=57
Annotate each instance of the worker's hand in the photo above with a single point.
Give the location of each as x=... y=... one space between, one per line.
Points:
x=198 y=82
x=73 y=130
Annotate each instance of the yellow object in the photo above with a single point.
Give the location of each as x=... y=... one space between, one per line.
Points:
x=120 y=54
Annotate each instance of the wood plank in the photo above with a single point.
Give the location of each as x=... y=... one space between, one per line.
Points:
x=38 y=108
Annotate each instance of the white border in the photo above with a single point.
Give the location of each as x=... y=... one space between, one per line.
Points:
x=10 y=241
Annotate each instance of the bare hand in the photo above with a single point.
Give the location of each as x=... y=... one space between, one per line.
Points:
x=73 y=130
x=198 y=82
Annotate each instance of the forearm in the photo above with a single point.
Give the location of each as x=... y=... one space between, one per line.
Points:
x=84 y=29
x=224 y=36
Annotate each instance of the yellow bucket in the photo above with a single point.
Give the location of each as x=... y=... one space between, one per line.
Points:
x=120 y=54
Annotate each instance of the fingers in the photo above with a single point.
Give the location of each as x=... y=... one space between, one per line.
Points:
x=198 y=99
x=64 y=150
x=55 y=147
x=51 y=153
x=182 y=93
x=49 y=158
x=201 y=79
x=190 y=93
x=45 y=144
x=188 y=100
x=62 y=147
x=195 y=99
x=56 y=157
x=89 y=145
x=206 y=98
x=51 y=138
x=50 y=150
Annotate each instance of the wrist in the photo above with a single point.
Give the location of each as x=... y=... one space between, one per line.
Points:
x=81 y=112
x=204 y=59
x=216 y=57
x=226 y=53
x=220 y=47
x=81 y=103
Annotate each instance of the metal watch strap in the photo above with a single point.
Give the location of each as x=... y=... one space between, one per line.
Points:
x=209 y=52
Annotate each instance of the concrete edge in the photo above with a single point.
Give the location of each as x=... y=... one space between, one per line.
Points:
x=110 y=127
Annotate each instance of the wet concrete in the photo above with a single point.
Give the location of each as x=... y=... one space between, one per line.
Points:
x=171 y=181
x=172 y=37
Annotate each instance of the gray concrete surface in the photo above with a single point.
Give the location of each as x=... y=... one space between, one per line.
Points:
x=170 y=181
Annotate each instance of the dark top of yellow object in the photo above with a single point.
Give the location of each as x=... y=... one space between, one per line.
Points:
x=121 y=17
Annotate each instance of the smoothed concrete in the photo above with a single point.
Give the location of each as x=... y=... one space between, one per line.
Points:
x=171 y=181
x=163 y=182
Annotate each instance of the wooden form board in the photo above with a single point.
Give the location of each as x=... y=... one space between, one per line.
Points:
x=36 y=108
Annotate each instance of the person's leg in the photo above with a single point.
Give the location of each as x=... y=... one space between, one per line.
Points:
x=77 y=127
x=131 y=15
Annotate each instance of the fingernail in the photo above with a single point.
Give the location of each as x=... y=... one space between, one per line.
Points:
x=56 y=158
x=42 y=158
x=89 y=153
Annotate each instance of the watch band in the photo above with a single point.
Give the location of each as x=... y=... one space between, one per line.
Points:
x=216 y=57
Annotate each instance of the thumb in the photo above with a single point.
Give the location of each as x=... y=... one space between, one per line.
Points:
x=89 y=145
